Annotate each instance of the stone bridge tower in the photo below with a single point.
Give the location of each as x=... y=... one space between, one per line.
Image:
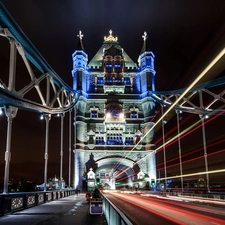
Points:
x=113 y=116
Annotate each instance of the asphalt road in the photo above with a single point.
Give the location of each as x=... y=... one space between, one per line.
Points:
x=152 y=211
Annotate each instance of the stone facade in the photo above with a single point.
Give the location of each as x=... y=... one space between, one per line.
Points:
x=113 y=116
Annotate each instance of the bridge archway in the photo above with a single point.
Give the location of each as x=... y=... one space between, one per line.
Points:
x=115 y=173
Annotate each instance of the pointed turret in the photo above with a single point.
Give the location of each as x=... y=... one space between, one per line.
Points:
x=146 y=64
x=80 y=60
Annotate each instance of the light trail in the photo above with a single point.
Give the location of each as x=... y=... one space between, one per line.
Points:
x=194 y=174
x=144 y=158
x=213 y=62
x=196 y=199
x=200 y=157
x=190 y=160
x=173 y=129
x=173 y=140
x=159 y=148
x=171 y=210
x=187 y=131
x=125 y=153
x=192 y=152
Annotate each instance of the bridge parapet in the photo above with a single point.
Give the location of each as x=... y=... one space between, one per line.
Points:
x=18 y=201
x=112 y=214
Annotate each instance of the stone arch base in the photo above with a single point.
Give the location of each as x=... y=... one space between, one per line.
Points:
x=115 y=165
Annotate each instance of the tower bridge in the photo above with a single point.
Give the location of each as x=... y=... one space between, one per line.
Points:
x=114 y=103
x=110 y=114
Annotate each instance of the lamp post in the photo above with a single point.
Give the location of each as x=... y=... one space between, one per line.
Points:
x=179 y=149
x=10 y=113
x=70 y=124
x=61 y=150
x=75 y=179
x=47 y=118
x=164 y=150
x=205 y=151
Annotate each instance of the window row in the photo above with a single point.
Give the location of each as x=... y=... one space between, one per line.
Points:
x=125 y=80
x=94 y=114
x=114 y=140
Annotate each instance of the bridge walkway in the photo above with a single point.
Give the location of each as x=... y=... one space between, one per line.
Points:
x=64 y=211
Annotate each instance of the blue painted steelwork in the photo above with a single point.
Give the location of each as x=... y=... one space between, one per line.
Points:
x=6 y=21
x=11 y=30
x=167 y=98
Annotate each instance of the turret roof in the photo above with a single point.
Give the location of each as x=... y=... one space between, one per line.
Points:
x=111 y=44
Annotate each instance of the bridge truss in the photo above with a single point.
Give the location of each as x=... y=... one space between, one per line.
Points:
x=46 y=93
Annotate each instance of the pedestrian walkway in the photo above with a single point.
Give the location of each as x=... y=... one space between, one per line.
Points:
x=65 y=211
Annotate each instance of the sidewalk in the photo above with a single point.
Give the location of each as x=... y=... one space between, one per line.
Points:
x=64 y=211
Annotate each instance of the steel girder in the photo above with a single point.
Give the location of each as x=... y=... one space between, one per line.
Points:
x=204 y=99
x=201 y=99
x=52 y=96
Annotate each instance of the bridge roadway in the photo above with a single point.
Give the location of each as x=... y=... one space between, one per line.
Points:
x=64 y=211
x=151 y=209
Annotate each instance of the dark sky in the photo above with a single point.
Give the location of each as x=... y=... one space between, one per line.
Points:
x=182 y=34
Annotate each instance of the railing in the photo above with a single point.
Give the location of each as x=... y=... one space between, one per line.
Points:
x=13 y=202
x=112 y=214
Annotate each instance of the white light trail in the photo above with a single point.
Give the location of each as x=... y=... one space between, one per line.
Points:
x=194 y=174
x=214 y=61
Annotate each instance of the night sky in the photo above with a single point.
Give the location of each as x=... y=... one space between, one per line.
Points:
x=181 y=33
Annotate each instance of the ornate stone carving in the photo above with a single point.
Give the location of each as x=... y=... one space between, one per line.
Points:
x=110 y=38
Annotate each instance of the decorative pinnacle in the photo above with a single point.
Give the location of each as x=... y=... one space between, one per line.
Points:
x=110 y=38
x=80 y=35
x=144 y=36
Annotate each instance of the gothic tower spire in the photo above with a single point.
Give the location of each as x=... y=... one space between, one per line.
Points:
x=80 y=60
x=146 y=64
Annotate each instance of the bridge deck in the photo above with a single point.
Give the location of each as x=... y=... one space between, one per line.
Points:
x=65 y=211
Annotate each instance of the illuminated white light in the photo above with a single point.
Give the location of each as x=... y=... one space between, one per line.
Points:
x=121 y=115
x=1 y=112
x=217 y=58
x=194 y=174
x=108 y=115
x=213 y=62
x=41 y=117
x=206 y=116
x=58 y=115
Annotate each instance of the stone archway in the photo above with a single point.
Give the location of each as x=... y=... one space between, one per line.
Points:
x=115 y=174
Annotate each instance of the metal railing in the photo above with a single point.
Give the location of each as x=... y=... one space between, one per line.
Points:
x=13 y=202
x=112 y=214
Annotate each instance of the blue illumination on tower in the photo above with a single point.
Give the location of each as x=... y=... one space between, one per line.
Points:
x=79 y=71
x=146 y=65
x=114 y=101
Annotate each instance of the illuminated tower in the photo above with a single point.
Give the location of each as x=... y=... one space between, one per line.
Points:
x=113 y=115
x=79 y=71
x=146 y=66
